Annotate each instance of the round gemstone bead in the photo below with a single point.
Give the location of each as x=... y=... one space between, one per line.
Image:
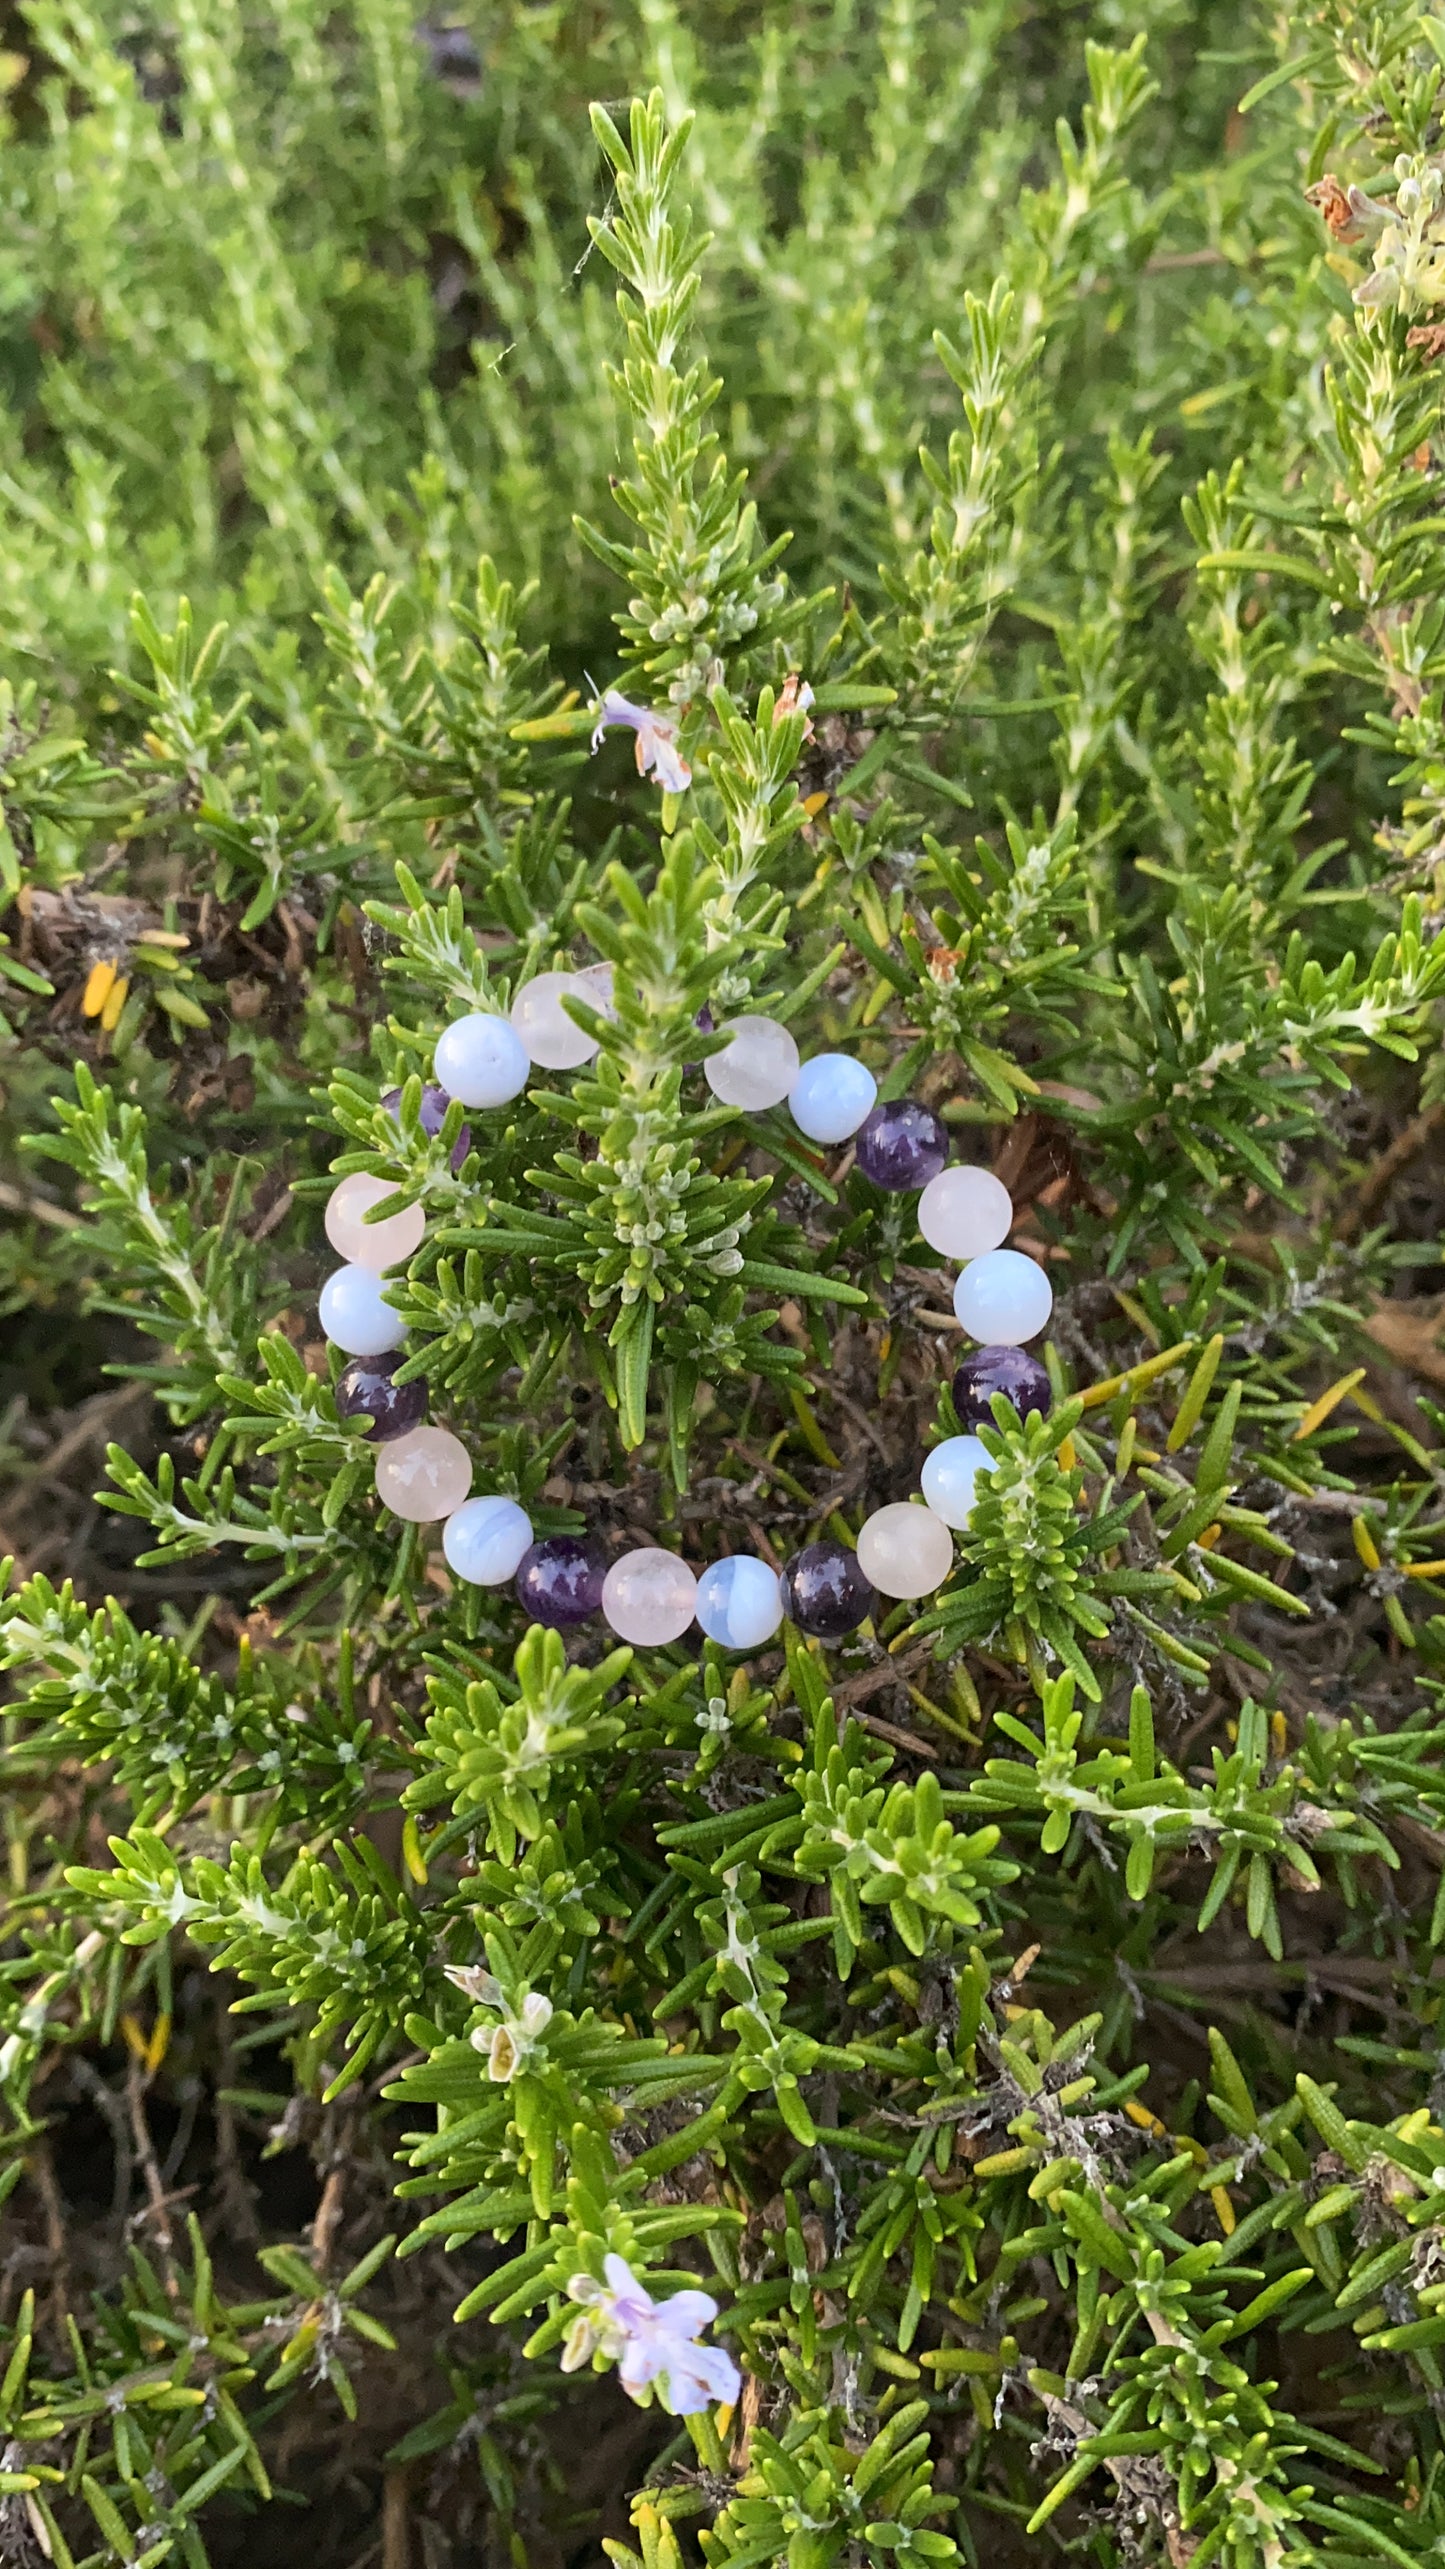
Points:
x=354 y=1316
x=594 y=984
x=559 y=1581
x=739 y=1601
x=424 y=1475
x=758 y=1067
x=371 y=1244
x=965 y=1211
x=902 y=1145
x=905 y=1551
x=364 y=1389
x=825 y=1591
x=431 y=1115
x=482 y=1060
x=949 y=1474
x=1010 y=1370
x=551 y=1039
x=649 y=1596
x=485 y=1539
x=1003 y=1298
x=831 y=1097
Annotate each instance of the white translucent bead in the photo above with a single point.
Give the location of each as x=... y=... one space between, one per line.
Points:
x=354 y=1316
x=649 y=1596
x=758 y=1067
x=424 y=1475
x=832 y=1095
x=371 y=1244
x=905 y=1551
x=964 y=1212
x=739 y=1601
x=485 y=1540
x=548 y=1033
x=594 y=984
x=949 y=1475
x=481 y=1060
x=1003 y=1298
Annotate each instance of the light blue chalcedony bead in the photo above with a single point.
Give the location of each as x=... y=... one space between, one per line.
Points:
x=482 y=1060
x=739 y=1602
x=1003 y=1298
x=949 y=1474
x=484 y=1541
x=354 y=1316
x=831 y=1096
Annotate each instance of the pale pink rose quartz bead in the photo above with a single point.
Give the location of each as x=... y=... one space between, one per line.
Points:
x=552 y=1039
x=964 y=1212
x=905 y=1551
x=423 y=1476
x=757 y=1069
x=649 y=1597
x=371 y=1244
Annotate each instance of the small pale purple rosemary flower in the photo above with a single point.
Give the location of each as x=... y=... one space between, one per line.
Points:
x=653 y=2343
x=657 y=750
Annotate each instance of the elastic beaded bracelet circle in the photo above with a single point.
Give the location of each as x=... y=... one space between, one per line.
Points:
x=648 y=1595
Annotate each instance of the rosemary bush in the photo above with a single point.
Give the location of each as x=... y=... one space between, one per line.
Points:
x=1025 y=2017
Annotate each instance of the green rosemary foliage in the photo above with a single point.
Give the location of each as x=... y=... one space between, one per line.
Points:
x=1002 y=453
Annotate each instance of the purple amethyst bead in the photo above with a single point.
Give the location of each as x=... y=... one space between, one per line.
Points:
x=902 y=1145
x=705 y=1025
x=825 y=1592
x=559 y=1581
x=431 y=1115
x=1010 y=1370
x=364 y=1389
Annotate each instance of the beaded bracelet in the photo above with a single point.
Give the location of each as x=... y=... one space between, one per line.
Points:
x=648 y=1595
